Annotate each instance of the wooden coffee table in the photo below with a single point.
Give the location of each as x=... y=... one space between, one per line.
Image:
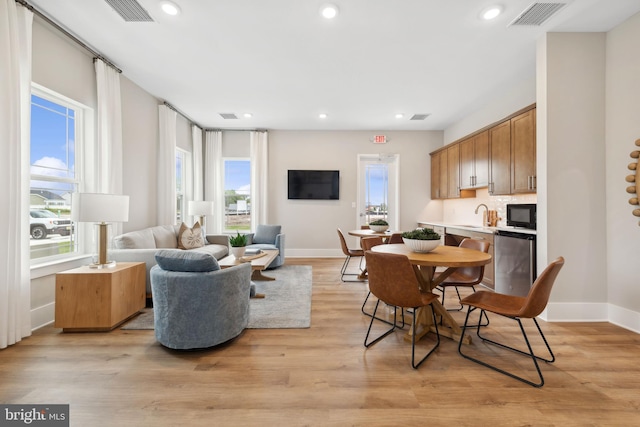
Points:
x=258 y=263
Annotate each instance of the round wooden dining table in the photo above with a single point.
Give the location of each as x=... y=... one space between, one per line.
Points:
x=424 y=264
x=367 y=232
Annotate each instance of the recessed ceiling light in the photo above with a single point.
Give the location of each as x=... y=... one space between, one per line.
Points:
x=248 y=115
x=329 y=11
x=491 y=12
x=322 y=115
x=170 y=8
x=399 y=115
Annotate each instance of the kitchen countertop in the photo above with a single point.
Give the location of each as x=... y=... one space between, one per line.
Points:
x=479 y=228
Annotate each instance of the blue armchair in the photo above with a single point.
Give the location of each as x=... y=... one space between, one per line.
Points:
x=195 y=303
x=268 y=237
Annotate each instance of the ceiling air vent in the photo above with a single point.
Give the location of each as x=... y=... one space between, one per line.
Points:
x=419 y=116
x=130 y=10
x=537 y=13
x=228 y=116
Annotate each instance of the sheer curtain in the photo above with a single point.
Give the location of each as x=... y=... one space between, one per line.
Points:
x=198 y=177
x=166 y=166
x=107 y=162
x=213 y=188
x=15 y=110
x=259 y=174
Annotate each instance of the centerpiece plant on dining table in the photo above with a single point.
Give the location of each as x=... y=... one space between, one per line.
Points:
x=421 y=239
x=379 y=225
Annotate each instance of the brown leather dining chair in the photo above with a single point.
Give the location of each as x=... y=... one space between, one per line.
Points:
x=349 y=253
x=368 y=243
x=466 y=276
x=395 y=238
x=516 y=308
x=393 y=281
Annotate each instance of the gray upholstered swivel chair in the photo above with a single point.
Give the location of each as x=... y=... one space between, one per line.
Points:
x=195 y=303
x=268 y=237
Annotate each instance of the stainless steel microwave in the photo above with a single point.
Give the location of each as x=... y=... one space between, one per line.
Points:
x=522 y=215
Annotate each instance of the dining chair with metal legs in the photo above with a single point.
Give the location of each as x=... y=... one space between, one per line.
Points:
x=349 y=253
x=467 y=276
x=367 y=243
x=393 y=281
x=516 y=308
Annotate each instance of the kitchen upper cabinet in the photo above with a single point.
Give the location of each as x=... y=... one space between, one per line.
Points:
x=500 y=159
x=523 y=153
x=439 y=175
x=474 y=161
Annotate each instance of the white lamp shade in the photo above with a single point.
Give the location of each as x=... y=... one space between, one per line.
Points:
x=200 y=208
x=98 y=207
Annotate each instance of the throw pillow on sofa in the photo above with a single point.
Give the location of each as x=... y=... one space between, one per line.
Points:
x=190 y=238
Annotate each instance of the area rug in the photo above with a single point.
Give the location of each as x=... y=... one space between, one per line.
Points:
x=287 y=302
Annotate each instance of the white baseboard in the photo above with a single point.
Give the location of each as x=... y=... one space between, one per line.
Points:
x=592 y=312
x=43 y=316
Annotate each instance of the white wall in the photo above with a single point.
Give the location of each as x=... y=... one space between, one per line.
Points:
x=572 y=194
x=310 y=225
x=140 y=151
x=622 y=129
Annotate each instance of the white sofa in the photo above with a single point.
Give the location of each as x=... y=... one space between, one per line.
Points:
x=142 y=245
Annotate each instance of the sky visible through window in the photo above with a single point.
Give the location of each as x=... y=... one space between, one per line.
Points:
x=237 y=176
x=52 y=142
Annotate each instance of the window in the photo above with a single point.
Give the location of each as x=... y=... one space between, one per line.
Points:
x=237 y=194
x=54 y=173
x=181 y=182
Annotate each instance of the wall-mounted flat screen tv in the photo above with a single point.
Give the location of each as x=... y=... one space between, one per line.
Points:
x=313 y=184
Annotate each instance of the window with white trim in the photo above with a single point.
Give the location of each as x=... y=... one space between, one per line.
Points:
x=237 y=194
x=181 y=183
x=56 y=143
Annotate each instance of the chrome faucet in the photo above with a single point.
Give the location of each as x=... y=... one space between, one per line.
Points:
x=485 y=217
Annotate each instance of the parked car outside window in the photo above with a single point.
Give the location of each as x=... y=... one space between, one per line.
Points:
x=44 y=222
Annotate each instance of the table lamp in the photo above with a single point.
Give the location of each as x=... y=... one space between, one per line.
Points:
x=200 y=209
x=101 y=209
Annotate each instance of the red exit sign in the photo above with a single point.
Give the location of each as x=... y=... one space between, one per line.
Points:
x=380 y=139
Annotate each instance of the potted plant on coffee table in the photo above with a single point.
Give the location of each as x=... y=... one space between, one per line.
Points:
x=379 y=225
x=421 y=240
x=238 y=244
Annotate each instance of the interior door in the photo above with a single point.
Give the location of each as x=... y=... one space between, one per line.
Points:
x=378 y=192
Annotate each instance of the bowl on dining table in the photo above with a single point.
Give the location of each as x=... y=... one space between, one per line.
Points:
x=379 y=228
x=421 y=246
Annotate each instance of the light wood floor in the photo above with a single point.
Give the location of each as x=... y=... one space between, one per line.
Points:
x=323 y=376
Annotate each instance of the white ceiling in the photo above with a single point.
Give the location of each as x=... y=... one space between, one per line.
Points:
x=285 y=64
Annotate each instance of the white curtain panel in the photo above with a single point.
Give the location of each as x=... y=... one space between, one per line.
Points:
x=166 y=209
x=198 y=177
x=15 y=110
x=214 y=180
x=108 y=158
x=259 y=174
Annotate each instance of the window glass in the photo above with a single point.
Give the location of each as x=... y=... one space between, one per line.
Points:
x=180 y=185
x=237 y=192
x=53 y=176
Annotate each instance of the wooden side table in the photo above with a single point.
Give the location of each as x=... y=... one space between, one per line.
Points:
x=89 y=299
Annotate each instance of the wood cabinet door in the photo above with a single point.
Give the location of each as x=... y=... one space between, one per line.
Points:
x=453 y=166
x=500 y=159
x=443 y=178
x=435 y=175
x=467 y=163
x=523 y=153
x=481 y=159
